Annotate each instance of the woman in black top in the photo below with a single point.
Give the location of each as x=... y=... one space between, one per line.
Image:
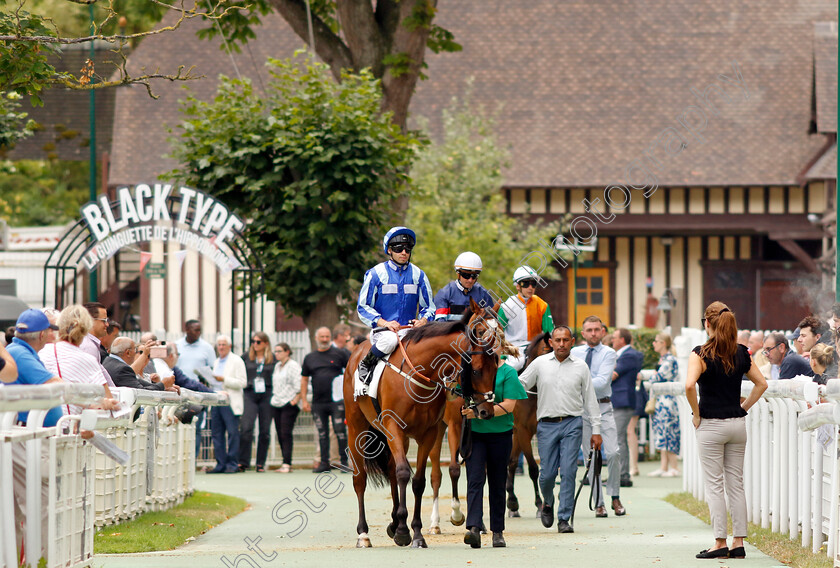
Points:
x=720 y=424
x=259 y=367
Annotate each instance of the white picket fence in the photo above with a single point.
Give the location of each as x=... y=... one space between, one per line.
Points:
x=792 y=461
x=71 y=487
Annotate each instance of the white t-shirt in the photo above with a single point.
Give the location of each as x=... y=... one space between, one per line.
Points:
x=71 y=365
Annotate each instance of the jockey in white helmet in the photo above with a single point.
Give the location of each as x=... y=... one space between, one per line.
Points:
x=452 y=300
x=524 y=315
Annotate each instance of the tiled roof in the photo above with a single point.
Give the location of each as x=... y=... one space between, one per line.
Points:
x=825 y=167
x=581 y=88
x=64 y=118
x=825 y=75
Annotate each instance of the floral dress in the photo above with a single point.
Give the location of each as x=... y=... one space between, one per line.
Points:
x=666 y=417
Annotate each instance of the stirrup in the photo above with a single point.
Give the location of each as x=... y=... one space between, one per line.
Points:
x=366 y=368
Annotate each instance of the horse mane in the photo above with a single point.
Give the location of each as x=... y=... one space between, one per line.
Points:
x=533 y=347
x=439 y=328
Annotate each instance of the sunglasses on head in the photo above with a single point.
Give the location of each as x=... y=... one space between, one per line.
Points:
x=469 y=275
x=401 y=248
x=527 y=283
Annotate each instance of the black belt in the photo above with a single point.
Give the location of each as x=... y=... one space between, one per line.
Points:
x=556 y=418
x=605 y=399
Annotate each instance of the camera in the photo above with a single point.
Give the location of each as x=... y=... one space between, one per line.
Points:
x=158 y=351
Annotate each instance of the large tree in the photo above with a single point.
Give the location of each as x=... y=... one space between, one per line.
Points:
x=389 y=37
x=312 y=165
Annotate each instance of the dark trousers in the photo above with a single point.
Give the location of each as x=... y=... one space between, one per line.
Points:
x=224 y=426
x=489 y=459
x=284 y=423
x=256 y=406
x=322 y=413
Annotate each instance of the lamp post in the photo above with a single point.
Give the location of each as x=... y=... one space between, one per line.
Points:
x=92 y=284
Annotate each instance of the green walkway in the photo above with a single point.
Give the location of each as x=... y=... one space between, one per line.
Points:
x=652 y=534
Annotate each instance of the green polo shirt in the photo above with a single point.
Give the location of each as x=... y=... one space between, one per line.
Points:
x=507 y=387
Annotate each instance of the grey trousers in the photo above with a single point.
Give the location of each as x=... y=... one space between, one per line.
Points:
x=721 y=444
x=609 y=449
x=622 y=420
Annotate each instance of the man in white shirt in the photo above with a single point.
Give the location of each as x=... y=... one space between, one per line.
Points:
x=229 y=374
x=565 y=392
x=601 y=362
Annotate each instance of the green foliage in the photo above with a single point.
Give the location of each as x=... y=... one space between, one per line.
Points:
x=312 y=165
x=457 y=203
x=36 y=193
x=73 y=20
x=12 y=125
x=23 y=65
x=643 y=341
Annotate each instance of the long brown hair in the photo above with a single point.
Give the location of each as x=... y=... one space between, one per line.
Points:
x=723 y=341
x=268 y=353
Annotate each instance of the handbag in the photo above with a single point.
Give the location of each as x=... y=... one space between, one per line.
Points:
x=650 y=407
x=187 y=411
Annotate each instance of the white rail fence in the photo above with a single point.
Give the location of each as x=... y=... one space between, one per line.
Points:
x=792 y=461
x=61 y=480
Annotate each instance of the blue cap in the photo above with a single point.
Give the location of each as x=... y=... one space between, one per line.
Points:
x=793 y=335
x=31 y=321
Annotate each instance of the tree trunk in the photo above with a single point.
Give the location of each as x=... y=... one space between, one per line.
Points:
x=324 y=314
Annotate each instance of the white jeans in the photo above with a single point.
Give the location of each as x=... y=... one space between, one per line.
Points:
x=386 y=340
x=518 y=362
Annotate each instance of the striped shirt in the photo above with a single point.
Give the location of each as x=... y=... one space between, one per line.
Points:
x=72 y=365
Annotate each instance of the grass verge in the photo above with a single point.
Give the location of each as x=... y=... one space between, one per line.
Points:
x=779 y=546
x=167 y=530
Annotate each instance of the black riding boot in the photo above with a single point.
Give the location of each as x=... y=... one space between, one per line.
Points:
x=366 y=368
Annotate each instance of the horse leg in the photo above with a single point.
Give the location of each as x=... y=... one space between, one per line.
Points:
x=456 y=517
x=418 y=485
x=534 y=474
x=512 y=501
x=403 y=474
x=356 y=424
x=391 y=529
x=437 y=476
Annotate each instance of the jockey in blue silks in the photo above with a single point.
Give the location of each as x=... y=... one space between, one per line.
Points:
x=453 y=299
x=390 y=296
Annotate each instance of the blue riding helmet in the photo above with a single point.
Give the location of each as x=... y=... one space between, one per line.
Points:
x=398 y=235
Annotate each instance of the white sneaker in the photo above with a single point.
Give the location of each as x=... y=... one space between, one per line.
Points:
x=673 y=473
x=657 y=473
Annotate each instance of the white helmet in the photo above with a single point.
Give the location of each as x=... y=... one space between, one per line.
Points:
x=525 y=272
x=468 y=261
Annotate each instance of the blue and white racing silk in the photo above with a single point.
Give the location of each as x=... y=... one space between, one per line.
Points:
x=452 y=300
x=393 y=293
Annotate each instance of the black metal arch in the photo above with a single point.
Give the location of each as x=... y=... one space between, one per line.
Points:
x=66 y=261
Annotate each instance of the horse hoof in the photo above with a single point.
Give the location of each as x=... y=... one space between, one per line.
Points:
x=513 y=504
x=402 y=539
x=457 y=521
x=363 y=543
x=391 y=530
x=419 y=543
x=514 y=514
x=434 y=530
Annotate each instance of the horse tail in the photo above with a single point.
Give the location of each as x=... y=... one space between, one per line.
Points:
x=376 y=466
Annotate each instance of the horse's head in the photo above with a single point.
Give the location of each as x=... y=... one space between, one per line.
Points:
x=539 y=346
x=479 y=369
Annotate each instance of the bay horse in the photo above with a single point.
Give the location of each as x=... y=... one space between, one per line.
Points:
x=410 y=404
x=524 y=429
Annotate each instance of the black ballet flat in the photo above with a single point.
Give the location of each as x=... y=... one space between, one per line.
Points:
x=737 y=552
x=719 y=553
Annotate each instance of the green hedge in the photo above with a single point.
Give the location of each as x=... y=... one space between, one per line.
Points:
x=643 y=341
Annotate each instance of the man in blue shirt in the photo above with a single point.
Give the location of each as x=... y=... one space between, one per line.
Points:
x=452 y=300
x=390 y=296
x=194 y=351
x=601 y=362
x=32 y=332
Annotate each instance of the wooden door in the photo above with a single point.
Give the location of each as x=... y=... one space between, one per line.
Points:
x=732 y=283
x=592 y=290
